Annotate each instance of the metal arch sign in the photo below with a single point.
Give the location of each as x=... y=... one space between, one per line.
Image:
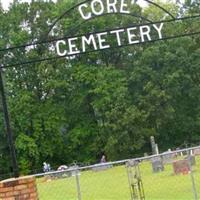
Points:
x=100 y=41
x=98 y=8
x=123 y=36
x=145 y=31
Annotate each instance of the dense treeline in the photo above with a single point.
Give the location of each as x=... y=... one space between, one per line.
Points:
x=107 y=102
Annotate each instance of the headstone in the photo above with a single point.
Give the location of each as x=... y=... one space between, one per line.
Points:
x=145 y=154
x=74 y=171
x=153 y=145
x=196 y=152
x=157 y=164
x=132 y=163
x=156 y=149
x=62 y=168
x=191 y=159
x=167 y=158
x=64 y=172
x=180 y=153
x=181 y=166
x=101 y=167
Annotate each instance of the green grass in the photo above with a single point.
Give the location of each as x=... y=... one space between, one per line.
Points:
x=113 y=184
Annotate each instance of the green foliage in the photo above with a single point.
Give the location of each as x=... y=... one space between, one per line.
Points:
x=107 y=102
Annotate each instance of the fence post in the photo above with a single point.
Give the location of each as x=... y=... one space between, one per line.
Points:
x=78 y=184
x=192 y=178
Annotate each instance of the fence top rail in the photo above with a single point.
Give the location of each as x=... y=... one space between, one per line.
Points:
x=77 y=168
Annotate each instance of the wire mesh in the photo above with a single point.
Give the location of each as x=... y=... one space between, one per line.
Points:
x=168 y=176
x=195 y=176
x=105 y=182
x=61 y=185
x=166 y=184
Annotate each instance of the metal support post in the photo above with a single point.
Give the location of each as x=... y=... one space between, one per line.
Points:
x=8 y=128
x=135 y=181
x=78 y=184
x=192 y=178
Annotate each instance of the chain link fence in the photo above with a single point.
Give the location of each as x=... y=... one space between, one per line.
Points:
x=168 y=176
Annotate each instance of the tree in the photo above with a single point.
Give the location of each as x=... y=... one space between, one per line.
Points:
x=107 y=102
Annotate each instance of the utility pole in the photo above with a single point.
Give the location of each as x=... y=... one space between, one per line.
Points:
x=8 y=128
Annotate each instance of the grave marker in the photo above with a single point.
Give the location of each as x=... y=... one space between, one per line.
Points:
x=191 y=159
x=167 y=158
x=101 y=167
x=157 y=164
x=181 y=166
x=197 y=152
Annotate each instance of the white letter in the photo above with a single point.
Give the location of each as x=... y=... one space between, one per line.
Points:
x=101 y=41
x=124 y=5
x=72 y=47
x=88 y=41
x=118 y=36
x=159 y=29
x=111 y=7
x=58 y=43
x=81 y=12
x=131 y=36
x=143 y=32
x=100 y=12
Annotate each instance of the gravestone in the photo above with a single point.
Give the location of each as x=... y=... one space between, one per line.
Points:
x=73 y=171
x=154 y=146
x=180 y=153
x=65 y=173
x=157 y=164
x=101 y=167
x=191 y=159
x=145 y=154
x=167 y=158
x=197 y=152
x=132 y=163
x=181 y=166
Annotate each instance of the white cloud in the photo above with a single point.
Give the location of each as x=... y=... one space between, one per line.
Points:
x=6 y=3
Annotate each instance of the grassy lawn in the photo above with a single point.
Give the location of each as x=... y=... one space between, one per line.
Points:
x=113 y=184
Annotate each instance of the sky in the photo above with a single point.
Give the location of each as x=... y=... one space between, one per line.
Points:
x=5 y=3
